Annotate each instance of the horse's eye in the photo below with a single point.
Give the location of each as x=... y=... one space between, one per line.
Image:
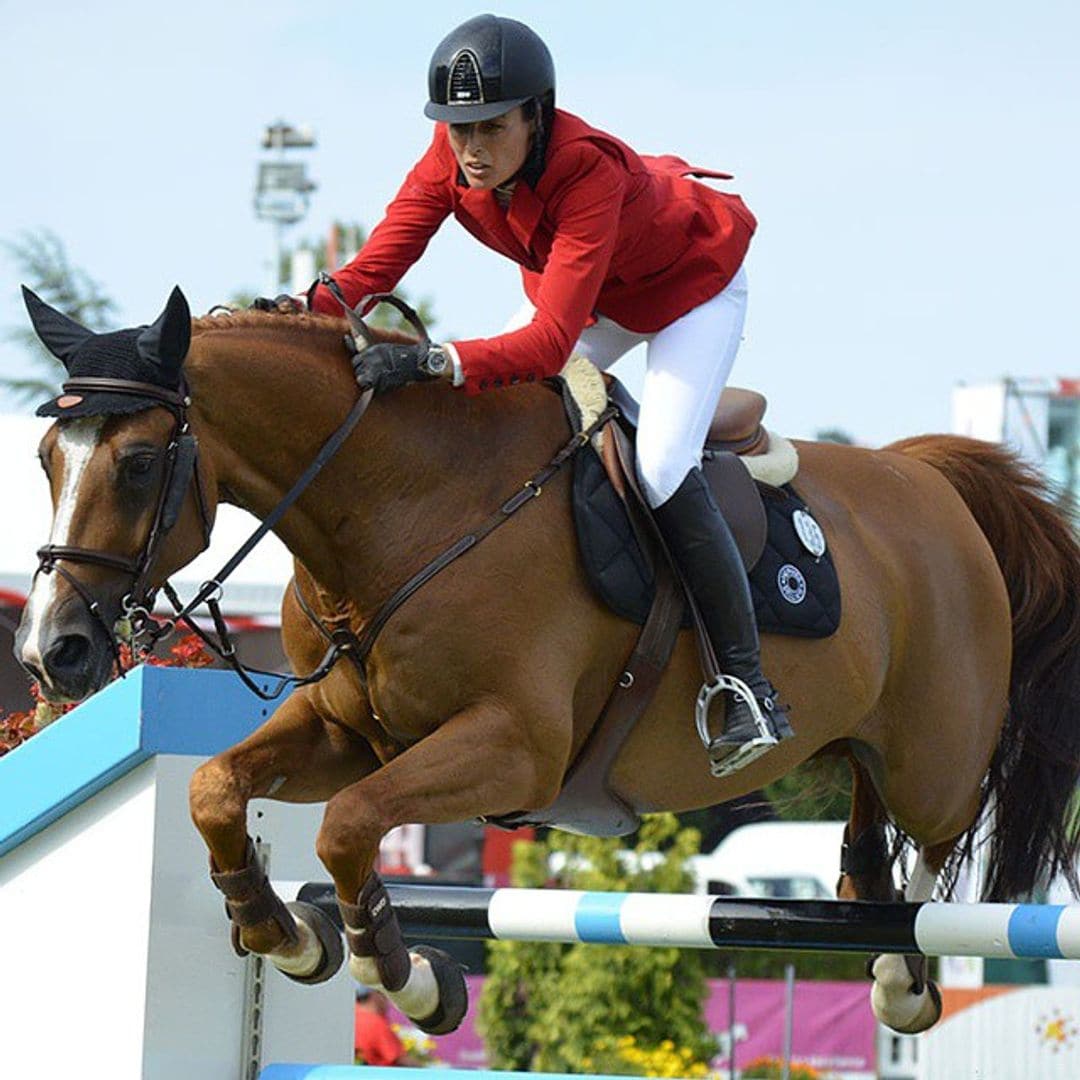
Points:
x=139 y=466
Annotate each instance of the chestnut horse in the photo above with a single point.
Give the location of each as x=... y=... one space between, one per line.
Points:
x=951 y=684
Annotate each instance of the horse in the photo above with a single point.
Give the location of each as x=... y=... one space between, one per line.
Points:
x=950 y=685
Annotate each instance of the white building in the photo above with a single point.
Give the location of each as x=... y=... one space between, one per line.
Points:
x=1039 y=417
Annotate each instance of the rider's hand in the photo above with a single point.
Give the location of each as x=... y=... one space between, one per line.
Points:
x=282 y=304
x=387 y=366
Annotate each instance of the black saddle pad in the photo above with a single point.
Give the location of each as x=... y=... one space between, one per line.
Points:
x=794 y=591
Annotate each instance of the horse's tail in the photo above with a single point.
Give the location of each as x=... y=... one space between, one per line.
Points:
x=1033 y=775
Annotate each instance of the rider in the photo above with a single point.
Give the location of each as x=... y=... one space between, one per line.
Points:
x=616 y=248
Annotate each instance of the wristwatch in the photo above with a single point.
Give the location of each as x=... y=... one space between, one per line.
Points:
x=436 y=363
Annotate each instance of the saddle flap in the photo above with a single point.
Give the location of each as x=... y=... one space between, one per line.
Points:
x=733 y=487
x=740 y=502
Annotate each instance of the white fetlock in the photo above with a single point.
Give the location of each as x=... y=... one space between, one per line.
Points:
x=303 y=957
x=365 y=971
x=893 y=1002
x=418 y=998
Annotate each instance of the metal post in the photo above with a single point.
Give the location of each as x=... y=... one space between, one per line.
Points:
x=731 y=1021
x=789 y=1017
x=283 y=189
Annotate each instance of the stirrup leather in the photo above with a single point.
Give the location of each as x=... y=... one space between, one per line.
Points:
x=749 y=751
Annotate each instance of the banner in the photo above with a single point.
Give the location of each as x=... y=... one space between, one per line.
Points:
x=833 y=1029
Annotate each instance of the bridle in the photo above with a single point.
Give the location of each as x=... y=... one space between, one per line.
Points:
x=181 y=468
x=142 y=630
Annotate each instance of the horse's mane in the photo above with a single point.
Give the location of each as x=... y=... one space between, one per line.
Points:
x=301 y=327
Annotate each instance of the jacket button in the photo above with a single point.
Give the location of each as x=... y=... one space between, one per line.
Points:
x=530 y=377
x=484 y=384
x=496 y=382
x=514 y=380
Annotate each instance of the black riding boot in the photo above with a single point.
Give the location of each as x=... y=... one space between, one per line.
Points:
x=701 y=543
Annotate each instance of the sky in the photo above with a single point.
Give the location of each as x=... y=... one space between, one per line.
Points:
x=913 y=167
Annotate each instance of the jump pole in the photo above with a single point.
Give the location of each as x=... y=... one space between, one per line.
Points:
x=710 y=922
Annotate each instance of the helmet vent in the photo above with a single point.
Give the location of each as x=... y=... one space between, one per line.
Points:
x=464 y=86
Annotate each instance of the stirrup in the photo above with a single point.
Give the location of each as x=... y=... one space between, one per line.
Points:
x=749 y=751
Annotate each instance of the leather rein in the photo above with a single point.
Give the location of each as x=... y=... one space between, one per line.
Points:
x=141 y=630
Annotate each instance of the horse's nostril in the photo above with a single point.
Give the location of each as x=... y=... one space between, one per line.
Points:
x=34 y=672
x=68 y=653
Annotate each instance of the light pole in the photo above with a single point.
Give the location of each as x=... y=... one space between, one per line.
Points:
x=283 y=188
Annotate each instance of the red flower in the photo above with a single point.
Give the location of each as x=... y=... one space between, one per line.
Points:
x=17 y=727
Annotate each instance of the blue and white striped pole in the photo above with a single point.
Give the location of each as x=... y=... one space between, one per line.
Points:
x=709 y=922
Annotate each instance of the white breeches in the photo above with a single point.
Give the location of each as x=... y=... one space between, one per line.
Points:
x=686 y=367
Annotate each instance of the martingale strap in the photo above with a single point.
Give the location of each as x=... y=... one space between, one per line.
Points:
x=342 y=641
x=533 y=488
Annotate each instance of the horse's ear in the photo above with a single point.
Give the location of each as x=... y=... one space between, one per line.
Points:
x=59 y=334
x=166 y=341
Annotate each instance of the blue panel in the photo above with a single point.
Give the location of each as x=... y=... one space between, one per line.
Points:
x=597 y=918
x=198 y=712
x=1033 y=930
x=151 y=711
x=69 y=761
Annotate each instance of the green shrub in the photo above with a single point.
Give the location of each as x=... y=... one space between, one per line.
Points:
x=575 y=1008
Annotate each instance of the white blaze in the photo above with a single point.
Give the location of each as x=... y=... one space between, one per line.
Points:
x=76 y=445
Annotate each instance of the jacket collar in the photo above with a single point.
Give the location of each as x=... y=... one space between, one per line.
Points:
x=521 y=216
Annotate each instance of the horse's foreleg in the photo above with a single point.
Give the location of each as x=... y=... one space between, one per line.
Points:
x=481 y=761
x=293 y=757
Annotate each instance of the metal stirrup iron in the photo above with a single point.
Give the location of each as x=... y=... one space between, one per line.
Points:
x=748 y=751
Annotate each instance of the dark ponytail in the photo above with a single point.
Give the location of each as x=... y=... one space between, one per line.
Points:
x=542 y=110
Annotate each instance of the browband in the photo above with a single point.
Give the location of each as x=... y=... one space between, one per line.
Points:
x=176 y=398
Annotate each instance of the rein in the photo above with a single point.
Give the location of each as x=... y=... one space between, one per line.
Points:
x=182 y=466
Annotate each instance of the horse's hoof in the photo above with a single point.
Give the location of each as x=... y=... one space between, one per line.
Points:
x=899 y=1006
x=328 y=936
x=453 y=993
x=928 y=1015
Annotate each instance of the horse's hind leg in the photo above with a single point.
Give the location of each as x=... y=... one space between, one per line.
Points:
x=903 y=997
x=294 y=757
x=865 y=866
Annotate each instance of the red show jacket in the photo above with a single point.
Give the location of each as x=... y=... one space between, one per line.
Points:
x=606 y=232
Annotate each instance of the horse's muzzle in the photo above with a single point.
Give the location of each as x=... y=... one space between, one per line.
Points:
x=69 y=659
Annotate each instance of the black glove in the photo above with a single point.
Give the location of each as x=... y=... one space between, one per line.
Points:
x=282 y=304
x=386 y=366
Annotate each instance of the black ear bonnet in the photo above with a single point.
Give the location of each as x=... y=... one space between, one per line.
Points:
x=147 y=354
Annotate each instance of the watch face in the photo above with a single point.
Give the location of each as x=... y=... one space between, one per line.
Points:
x=436 y=361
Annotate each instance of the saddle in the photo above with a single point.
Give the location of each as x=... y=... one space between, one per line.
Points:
x=749 y=470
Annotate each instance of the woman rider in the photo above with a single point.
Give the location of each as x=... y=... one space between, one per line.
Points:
x=615 y=249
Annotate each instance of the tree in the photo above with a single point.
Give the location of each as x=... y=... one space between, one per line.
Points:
x=348 y=239
x=834 y=435
x=624 y=1010
x=44 y=266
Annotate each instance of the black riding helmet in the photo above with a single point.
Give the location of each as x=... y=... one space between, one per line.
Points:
x=486 y=67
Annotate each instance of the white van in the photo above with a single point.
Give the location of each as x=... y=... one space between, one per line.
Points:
x=797 y=860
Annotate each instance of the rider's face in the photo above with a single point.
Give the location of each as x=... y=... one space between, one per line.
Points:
x=492 y=151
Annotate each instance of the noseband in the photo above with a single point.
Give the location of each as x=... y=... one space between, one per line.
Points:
x=181 y=467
